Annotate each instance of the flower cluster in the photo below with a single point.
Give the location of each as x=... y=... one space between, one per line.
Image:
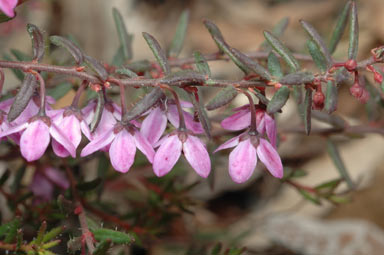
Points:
x=65 y=128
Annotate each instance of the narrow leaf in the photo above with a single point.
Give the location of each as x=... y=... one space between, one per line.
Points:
x=11 y=231
x=341 y=23
x=145 y=104
x=328 y=187
x=297 y=78
x=278 y=31
x=201 y=64
x=308 y=196
x=49 y=245
x=21 y=56
x=117 y=237
x=118 y=59
x=99 y=111
x=23 y=97
x=71 y=47
x=316 y=38
x=251 y=64
x=38 y=42
x=274 y=66
x=353 y=32
x=316 y=55
x=124 y=37
x=222 y=98
x=278 y=100
x=201 y=112
x=52 y=233
x=103 y=247
x=331 y=97
x=97 y=67
x=336 y=158
x=283 y=51
x=127 y=72
x=307 y=110
x=40 y=233
x=178 y=39
x=158 y=52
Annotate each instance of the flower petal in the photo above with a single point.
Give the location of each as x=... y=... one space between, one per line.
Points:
x=57 y=177
x=228 y=144
x=238 y=121
x=186 y=104
x=270 y=126
x=13 y=130
x=107 y=122
x=62 y=139
x=197 y=156
x=98 y=143
x=270 y=158
x=85 y=130
x=8 y=6
x=144 y=146
x=41 y=187
x=242 y=161
x=173 y=117
x=260 y=122
x=122 y=151
x=34 y=140
x=154 y=125
x=167 y=155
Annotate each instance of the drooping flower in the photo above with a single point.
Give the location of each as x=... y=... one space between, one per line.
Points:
x=122 y=140
x=72 y=125
x=8 y=6
x=243 y=159
x=242 y=120
x=36 y=135
x=170 y=150
x=155 y=123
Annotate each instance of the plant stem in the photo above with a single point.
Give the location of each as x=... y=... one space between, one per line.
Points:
x=79 y=92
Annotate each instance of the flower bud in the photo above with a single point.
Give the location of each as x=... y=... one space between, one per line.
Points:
x=318 y=100
x=350 y=65
x=356 y=90
x=378 y=77
x=364 y=97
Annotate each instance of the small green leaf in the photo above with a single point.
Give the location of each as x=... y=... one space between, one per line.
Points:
x=97 y=67
x=251 y=65
x=98 y=112
x=124 y=37
x=117 y=237
x=310 y=197
x=49 y=245
x=118 y=58
x=341 y=23
x=103 y=247
x=278 y=31
x=222 y=98
x=278 y=100
x=223 y=46
x=127 y=72
x=201 y=64
x=11 y=231
x=339 y=199
x=274 y=65
x=283 y=51
x=52 y=234
x=10 y=226
x=297 y=78
x=336 y=158
x=307 y=110
x=353 y=32
x=316 y=55
x=59 y=90
x=38 y=41
x=328 y=187
x=178 y=39
x=21 y=56
x=23 y=97
x=201 y=112
x=331 y=97
x=90 y=185
x=158 y=52
x=319 y=42
x=70 y=46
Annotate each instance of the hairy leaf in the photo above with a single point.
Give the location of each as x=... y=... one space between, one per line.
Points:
x=117 y=237
x=124 y=37
x=297 y=78
x=222 y=98
x=251 y=64
x=331 y=97
x=341 y=23
x=201 y=64
x=278 y=100
x=38 y=41
x=307 y=110
x=127 y=72
x=99 y=111
x=178 y=39
x=316 y=55
x=201 y=112
x=158 y=52
x=353 y=32
x=71 y=47
x=274 y=65
x=97 y=67
x=278 y=31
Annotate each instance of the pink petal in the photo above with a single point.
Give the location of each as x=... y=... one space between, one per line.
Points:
x=144 y=146
x=228 y=144
x=167 y=155
x=260 y=122
x=41 y=187
x=70 y=126
x=57 y=177
x=173 y=117
x=85 y=130
x=242 y=161
x=270 y=126
x=34 y=140
x=270 y=158
x=13 y=130
x=8 y=6
x=240 y=108
x=197 y=156
x=6 y=104
x=29 y=111
x=122 y=151
x=62 y=139
x=98 y=143
x=154 y=125
x=89 y=111
x=59 y=149
x=238 y=121
x=186 y=104
x=106 y=123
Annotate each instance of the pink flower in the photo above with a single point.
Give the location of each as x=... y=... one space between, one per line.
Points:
x=243 y=159
x=43 y=183
x=242 y=119
x=72 y=125
x=8 y=6
x=35 y=137
x=155 y=123
x=122 y=141
x=170 y=150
